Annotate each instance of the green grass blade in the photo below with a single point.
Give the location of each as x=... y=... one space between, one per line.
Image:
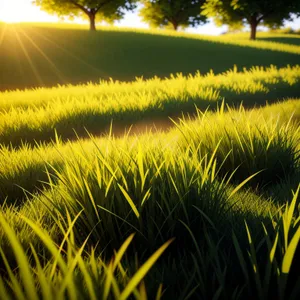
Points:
x=129 y=200
x=143 y=270
x=25 y=272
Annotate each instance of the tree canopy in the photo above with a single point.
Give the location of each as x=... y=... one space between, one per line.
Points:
x=172 y=13
x=105 y=10
x=271 y=13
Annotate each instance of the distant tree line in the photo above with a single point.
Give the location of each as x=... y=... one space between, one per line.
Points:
x=180 y=13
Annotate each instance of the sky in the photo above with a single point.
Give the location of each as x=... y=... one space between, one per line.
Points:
x=12 y=11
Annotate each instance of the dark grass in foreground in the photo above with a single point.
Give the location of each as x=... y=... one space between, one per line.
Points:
x=170 y=186
x=215 y=270
x=34 y=56
x=206 y=258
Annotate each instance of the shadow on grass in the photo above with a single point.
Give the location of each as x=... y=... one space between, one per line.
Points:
x=181 y=258
x=36 y=56
x=283 y=40
x=152 y=118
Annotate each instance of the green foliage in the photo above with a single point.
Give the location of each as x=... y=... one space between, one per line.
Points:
x=106 y=10
x=173 y=14
x=238 y=12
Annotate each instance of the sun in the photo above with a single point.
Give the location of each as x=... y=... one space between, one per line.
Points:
x=15 y=11
x=8 y=17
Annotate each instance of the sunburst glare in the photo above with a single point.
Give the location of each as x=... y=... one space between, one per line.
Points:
x=25 y=12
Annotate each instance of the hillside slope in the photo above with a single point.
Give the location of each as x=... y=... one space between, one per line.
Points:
x=35 y=55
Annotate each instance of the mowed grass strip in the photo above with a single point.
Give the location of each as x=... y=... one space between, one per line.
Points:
x=31 y=116
x=34 y=56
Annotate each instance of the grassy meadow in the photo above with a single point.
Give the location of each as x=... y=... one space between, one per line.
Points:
x=32 y=55
x=32 y=116
x=178 y=178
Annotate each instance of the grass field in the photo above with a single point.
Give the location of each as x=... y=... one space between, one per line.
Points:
x=185 y=187
x=34 y=116
x=32 y=56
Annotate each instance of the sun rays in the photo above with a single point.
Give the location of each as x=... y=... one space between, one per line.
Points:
x=47 y=59
x=68 y=52
x=2 y=34
x=28 y=46
x=15 y=11
x=29 y=59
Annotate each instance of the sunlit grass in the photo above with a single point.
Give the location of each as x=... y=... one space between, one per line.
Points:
x=260 y=127
x=34 y=115
x=207 y=207
x=159 y=188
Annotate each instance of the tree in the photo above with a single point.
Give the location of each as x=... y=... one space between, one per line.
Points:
x=271 y=13
x=105 y=10
x=174 y=13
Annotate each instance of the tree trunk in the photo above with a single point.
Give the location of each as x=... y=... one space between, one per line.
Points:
x=253 y=26
x=92 y=18
x=175 y=26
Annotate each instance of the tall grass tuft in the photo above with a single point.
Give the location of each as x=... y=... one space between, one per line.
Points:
x=269 y=266
x=70 y=272
x=139 y=190
x=249 y=143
